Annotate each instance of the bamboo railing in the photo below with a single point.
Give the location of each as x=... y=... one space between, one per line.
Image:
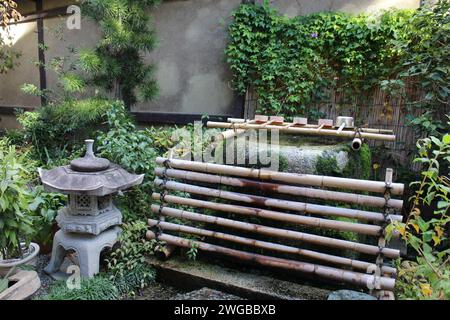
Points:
x=294 y=178
x=303 y=130
x=197 y=186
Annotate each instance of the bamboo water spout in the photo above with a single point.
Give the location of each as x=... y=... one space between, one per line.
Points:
x=303 y=130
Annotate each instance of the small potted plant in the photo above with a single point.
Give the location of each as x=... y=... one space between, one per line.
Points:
x=16 y=218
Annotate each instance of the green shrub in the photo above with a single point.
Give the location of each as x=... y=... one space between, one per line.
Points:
x=45 y=207
x=96 y=288
x=57 y=131
x=138 y=278
x=429 y=276
x=16 y=221
x=116 y=63
x=132 y=149
x=358 y=166
x=126 y=265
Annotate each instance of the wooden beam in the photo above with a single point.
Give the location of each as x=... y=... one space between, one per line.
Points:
x=42 y=14
x=41 y=52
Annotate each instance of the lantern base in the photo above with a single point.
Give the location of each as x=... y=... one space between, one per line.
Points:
x=87 y=248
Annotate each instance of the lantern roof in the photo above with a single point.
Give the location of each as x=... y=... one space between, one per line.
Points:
x=89 y=175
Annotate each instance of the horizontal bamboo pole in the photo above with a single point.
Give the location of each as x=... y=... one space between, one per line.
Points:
x=270 y=231
x=301 y=130
x=274 y=215
x=361 y=279
x=371 y=130
x=303 y=179
x=297 y=191
x=227 y=134
x=356 y=264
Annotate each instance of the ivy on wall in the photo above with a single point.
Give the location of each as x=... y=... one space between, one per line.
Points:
x=291 y=62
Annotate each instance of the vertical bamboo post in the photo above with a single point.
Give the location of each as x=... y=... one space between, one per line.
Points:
x=382 y=240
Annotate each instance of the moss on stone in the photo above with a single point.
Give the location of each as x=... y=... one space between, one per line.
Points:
x=358 y=166
x=360 y=163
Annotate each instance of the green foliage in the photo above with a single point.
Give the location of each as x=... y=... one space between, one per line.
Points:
x=57 y=131
x=16 y=222
x=45 y=206
x=116 y=63
x=96 y=288
x=291 y=62
x=8 y=56
x=358 y=165
x=193 y=251
x=429 y=276
x=131 y=254
x=138 y=278
x=27 y=212
x=427 y=62
x=327 y=165
x=133 y=150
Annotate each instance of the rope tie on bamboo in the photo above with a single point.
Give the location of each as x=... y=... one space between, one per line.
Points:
x=358 y=133
x=387 y=217
x=162 y=194
x=387 y=210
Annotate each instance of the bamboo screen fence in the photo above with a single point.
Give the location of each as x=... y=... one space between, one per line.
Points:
x=277 y=212
x=377 y=110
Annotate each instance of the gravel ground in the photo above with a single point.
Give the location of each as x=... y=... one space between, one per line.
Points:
x=159 y=291
x=46 y=280
x=156 y=291
x=206 y=294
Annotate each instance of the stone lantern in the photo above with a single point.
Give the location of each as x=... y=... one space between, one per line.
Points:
x=89 y=222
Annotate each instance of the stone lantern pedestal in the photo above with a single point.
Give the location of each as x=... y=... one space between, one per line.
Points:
x=89 y=223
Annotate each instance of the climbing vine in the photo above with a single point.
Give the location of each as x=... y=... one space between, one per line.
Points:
x=291 y=62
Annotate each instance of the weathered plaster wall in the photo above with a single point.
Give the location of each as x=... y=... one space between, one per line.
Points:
x=190 y=68
x=302 y=7
x=190 y=63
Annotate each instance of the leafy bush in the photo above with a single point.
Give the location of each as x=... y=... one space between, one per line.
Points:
x=16 y=222
x=292 y=61
x=138 y=278
x=56 y=131
x=427 y=63
x=116 y=63
x=133 y=150
x=96 y=288
x=45 y=208
x=429 y=276
x=126 y=265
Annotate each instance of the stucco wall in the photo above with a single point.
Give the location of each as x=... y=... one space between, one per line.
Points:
x=302 y=7
x=190 y=63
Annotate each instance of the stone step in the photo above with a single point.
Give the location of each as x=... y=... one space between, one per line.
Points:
x=193 y=275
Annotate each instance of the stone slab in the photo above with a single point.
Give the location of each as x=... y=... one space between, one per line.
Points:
x=206 y=294
x=198 y=274
x=349 y=295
